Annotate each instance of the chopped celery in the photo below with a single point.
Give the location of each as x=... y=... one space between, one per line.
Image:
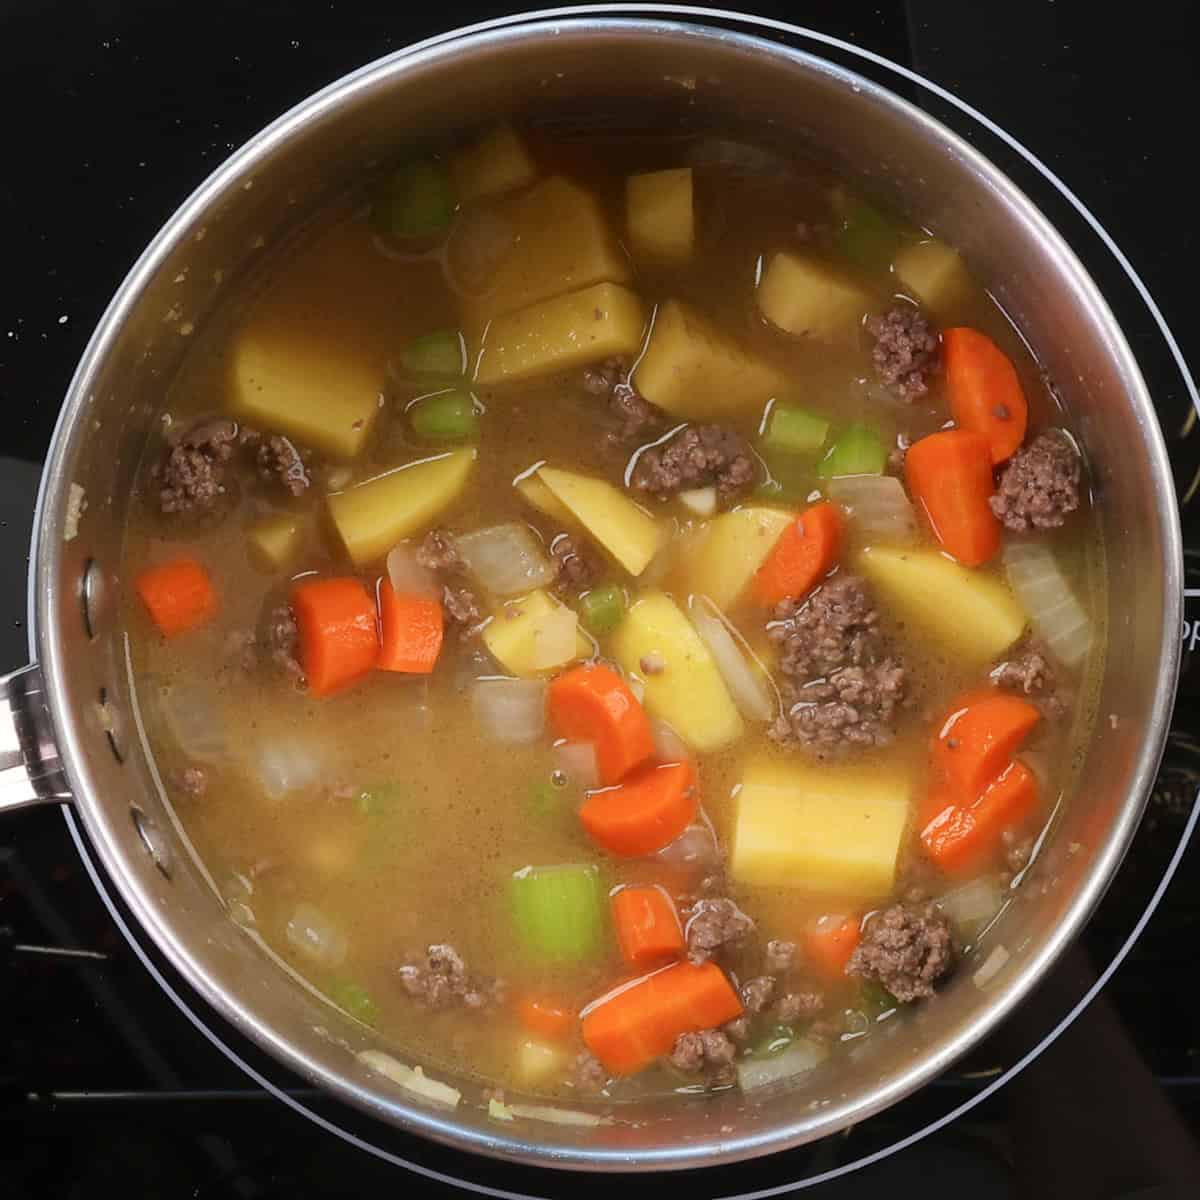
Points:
x=546 y=799
x=857 y=451
x=777 y=1038
x=417 y=200
x=445 y=417
x=789 y=479
x=791 y=430
x=558 y=911
x=437 y=353
x=353 y=998
x=865 y=236
x=603 y=608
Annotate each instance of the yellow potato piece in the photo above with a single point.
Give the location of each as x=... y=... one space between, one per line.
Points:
x=497 y=162
x=275 y=541
x=969 y=611
x=724 y=560
x=802 y=295
x=626 y=531
x=544 y=500
x=830 y=830
x=514 y=634
x=693 y=370
x=659 y=215
x=688 y=693
x=372 y=517
x=561 y=243
x=537 y=1062
x=554 y=335
x=934 y=274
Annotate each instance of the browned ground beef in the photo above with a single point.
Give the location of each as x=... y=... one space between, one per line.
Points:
x=907 y=948
x=738 y=1029
x=699 y=456
x=576 y=570
x=461 y=607
x=713 y=926
x=837 y=626
x=1040 y=485
x=190 y=476
x=758 y=992
x=854 y=706
x=1028 y=671
x=192 y=781
x=906 y=350
x=440 y=980
x=707 y=1048
x=799 y=1006
x=631 y=418
x=588 y=1072
x=279 y=637
x=278 y=461
x=779 y=956
x=437 y=552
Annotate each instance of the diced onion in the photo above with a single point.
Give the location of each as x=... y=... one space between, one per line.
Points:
x=498 y=1110
x=1056 y=616
x=973 y=905
x=508 y=559
x=316 y=937
x=285 y=765
x=577 y=760
x=991 y=966
x=701 y=501
x=668 y=745
x=477 y=245
x=695 y=846
x=557 y=1116
x=554 y=637
x=195 y=722
x=512 y=710
x=408 y=577
x=878 y=506
x=799 y=1057
x=412 y=1079
x=746 y=680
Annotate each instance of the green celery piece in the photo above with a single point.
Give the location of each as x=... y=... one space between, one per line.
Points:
x=792 y=430
x=865 y=236
x=416 y=201
x=603 y=609
x=353 y=998
x=448 y=416
x=558 y=912
x=438 y=353
x=857 y=451
x=545 y=799
x=789 y=479
x=777 y=1038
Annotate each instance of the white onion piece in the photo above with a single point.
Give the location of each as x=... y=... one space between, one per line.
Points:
x=408 y=577
x=746 y=680
x=508 y=559
x=1056 y=616
x=991 y=966
x=878 y=506
x=412 y=1079
x=669 y=747
x=701 y=501
x=557 y=1116
x=196 y=723
x=477 y=245
x=695 y=846
x=511 y=710
x=577 y=761
x=554 y=637
x=284 y=765
x=799 y=1057
x=316 y=937
x=973 y=905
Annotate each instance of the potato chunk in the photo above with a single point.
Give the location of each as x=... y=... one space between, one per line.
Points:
x=545 y=501
x=275 y=541
x=518 y=633
x=934 y=274
x=802 y=295
x=659 y=215
x=725 y=558
x=494 y=163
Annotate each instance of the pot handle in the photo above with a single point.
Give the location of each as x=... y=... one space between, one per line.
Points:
x=30 y=769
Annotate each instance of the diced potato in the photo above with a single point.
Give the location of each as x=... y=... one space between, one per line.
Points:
x=659 y=215
x=934 y=274
x=320 y=395
x=553 y=335
x=275 y=541
x=544 y=500
x=537 y=1062
x=626 y=531
x=970 y=611
x=688 y=693
x=830 y=830
x=724 y=560
x=373 y=516
x=561 y=243
x=802 y=295
x=497 y=162
x=516 y=635
x=693 y=370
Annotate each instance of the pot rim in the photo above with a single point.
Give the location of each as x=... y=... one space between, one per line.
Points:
x=44 y=591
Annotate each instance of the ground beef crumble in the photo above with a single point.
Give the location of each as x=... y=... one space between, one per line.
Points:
x=440 y=979
x=631 y=417
x=576 y=570
x=461 y=607
x=779 y=956
x=698 y=456
x=758 y=992
x=905 y=352
x=1040 y=485
x=190 y=476
x=798 y=1006
x=588 y=1073
x=1028 y=672
x=192 y=782
x=907 y=948
x=278 y=461
x=280 y=637
x=438 y=553
x=714 y=925
x=704 y=1050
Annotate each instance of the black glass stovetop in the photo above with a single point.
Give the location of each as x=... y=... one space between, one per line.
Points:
x=115 y=111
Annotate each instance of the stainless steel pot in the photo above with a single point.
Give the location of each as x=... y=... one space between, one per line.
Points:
x=68 y=725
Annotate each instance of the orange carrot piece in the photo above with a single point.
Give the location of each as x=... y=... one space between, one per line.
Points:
x=592 y=703
x=804 y=554
x=647 y=925
x=643 y=814
x=976 y=740
x=828 y=943
x=179 y=595
x=637 y=1023
x=960 y=838
x=985 y=393
x=546 y=1016
x=339 y=639
x=950 y=476
x=410 y=629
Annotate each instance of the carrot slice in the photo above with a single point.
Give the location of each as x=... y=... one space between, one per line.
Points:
x=643 y=814
x=593 y=704
x=960 y=838
x=828 y=943
x=339 y=640
x=639 y=1022
x=985 y=393
x=978 y=738
x=950 y=476
x=647 y=925
x=546 y=1016
x=411 y=630
x=179 y=596
x=804 y=554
